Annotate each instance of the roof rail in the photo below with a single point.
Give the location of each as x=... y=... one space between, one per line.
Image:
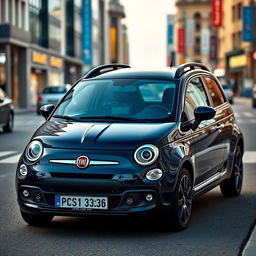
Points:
x=190 y=66
x=104 y=69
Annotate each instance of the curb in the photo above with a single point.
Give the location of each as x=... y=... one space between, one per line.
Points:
x=250 y=247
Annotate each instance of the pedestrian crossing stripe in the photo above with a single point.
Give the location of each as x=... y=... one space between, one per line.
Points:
x=248 y=114
x=11 y=159
x=249 y=157
x=6 y=153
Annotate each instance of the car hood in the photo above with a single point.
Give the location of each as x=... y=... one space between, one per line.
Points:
x=97 y=135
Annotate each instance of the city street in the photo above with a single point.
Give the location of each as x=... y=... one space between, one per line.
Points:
x=219 y=226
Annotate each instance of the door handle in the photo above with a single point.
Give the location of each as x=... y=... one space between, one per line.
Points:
x=219 y=127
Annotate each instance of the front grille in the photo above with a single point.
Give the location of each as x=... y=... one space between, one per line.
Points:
x=81 y=175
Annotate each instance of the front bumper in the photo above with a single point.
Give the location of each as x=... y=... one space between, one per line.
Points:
x=116 y=201
x=115 y=182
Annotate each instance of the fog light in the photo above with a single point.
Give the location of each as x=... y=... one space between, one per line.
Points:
x=149 y=197
x=129 y=200
x=154 y=174
x=25 y=193
x=38 y=197
x=23 y=171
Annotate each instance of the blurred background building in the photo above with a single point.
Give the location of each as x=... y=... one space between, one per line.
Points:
x=52 y=42
x=221 y=34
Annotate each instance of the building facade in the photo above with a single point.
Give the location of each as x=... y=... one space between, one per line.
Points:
x=193 y=31
x=52 y=42
x=236 y=57
x=106 y=40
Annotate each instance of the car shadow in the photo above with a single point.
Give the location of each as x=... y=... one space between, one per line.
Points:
x=207 y=210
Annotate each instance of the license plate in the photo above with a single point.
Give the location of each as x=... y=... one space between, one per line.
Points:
x=81 y=202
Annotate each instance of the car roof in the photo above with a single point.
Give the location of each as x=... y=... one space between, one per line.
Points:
x=120 y=71
x=132 y=73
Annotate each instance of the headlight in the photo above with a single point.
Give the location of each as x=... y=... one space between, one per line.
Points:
x=146 y=154
x=154 y=174
x=34 y=151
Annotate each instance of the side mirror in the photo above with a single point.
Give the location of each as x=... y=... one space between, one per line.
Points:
x=202 y=113
x=46 y=110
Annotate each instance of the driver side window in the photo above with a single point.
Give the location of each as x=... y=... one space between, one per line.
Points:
x=195 y=96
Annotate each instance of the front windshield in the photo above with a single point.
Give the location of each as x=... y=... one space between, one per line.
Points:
x=146 y=100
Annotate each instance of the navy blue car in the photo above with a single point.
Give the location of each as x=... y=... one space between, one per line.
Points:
x=124 y=142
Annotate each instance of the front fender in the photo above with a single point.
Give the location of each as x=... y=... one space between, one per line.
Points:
x=174 y=156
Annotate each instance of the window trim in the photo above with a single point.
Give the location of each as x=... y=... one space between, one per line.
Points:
x=185 y=90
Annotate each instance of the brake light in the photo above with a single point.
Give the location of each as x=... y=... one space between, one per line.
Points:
x=39 y=98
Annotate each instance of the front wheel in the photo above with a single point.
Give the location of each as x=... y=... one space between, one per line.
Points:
x=36 y=219
x=233 y=186
x=181 y=204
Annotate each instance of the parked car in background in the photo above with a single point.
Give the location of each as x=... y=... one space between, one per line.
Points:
x=254 y=96
x=6 y=112
x=228 y=92
x=125 y=141
x=51 y=94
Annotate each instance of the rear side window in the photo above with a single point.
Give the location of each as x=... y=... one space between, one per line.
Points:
x=214 y=91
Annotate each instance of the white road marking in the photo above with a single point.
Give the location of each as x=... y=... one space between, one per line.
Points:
x=249 y=157
x=11 y=160
x=237 y=115
x=248 y=114
x=2 y=176
x=6 y=153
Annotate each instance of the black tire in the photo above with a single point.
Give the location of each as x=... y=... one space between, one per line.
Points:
x=9 y=125
x=36 y=219
x=181 y=209
x=254 y=103
x=233 y=186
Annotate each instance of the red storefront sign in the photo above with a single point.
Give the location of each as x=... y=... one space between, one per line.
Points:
x=181 y=40
x=217 y=13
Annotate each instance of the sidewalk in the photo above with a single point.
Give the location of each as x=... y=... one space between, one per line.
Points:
x=243 y=101
x=22 y=111
x=250 y=247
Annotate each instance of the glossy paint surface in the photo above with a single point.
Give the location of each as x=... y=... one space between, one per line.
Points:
x=207 y=153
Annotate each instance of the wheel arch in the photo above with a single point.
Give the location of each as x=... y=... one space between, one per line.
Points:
x=187 y=164
x=240 y=143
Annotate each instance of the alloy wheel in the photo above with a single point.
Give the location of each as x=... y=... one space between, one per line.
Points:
x=184 y=199
x=238 y=170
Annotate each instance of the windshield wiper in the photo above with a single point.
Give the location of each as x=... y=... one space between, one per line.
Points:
x=120 y=118
x=67 y=118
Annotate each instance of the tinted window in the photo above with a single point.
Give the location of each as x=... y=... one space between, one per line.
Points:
x=131 y=98
x=195 y=96
x=214 y=91
x=57 y=89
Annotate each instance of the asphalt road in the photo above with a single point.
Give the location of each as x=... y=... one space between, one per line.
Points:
x=218 y=227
